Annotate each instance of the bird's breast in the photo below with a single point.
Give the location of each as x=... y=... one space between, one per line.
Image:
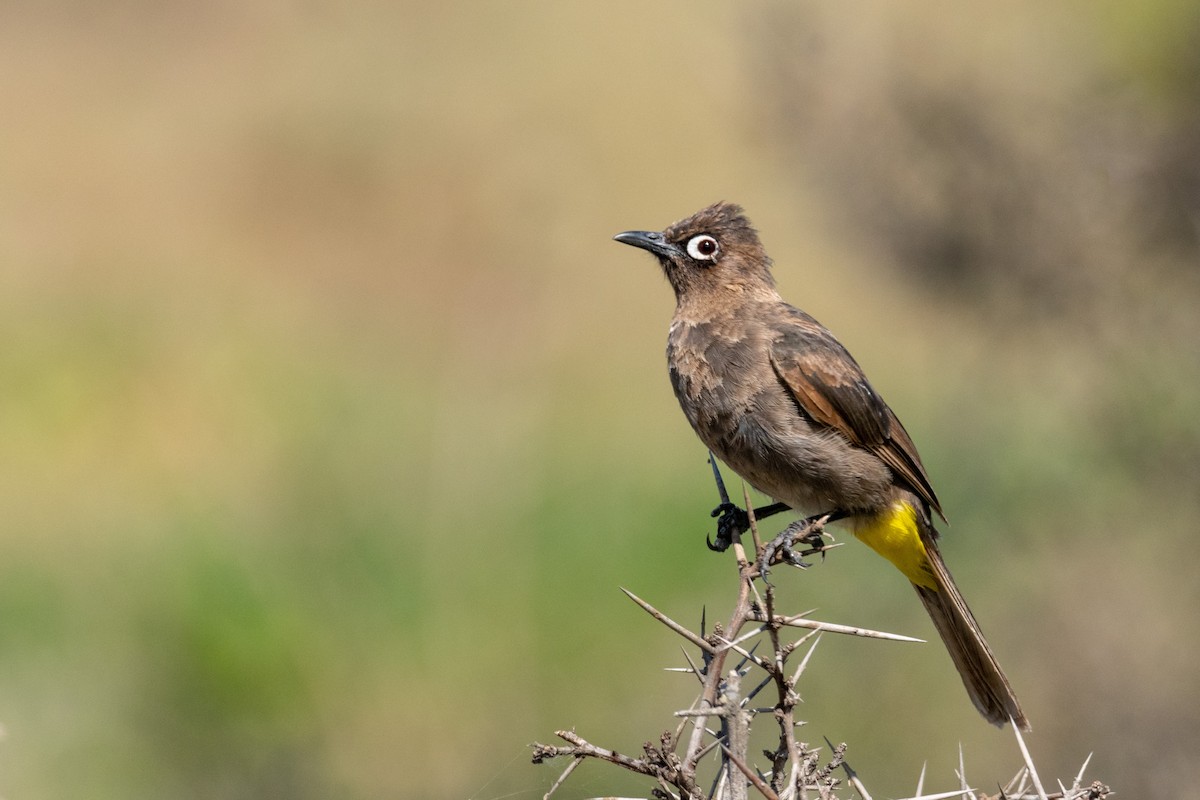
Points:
x=732 y=397
x=729 y=393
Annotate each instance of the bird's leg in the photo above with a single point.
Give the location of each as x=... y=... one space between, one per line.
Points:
x=734 y=521
x=808 y=530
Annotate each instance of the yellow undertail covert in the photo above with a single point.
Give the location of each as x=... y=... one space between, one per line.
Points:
x=895 y=536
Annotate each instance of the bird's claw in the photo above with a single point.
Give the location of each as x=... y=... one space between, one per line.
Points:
x=807 y=531
x=732 y=521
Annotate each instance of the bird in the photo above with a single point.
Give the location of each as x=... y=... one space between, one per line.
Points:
x=775 y=396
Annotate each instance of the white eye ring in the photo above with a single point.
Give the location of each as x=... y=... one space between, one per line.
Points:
x=703 y=248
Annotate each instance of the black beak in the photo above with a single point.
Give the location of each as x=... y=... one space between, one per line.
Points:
x=649 y=240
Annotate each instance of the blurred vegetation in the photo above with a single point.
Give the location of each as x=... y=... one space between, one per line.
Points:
x=333 y=419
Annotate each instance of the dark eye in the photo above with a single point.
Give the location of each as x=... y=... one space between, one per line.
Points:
x=703 y=247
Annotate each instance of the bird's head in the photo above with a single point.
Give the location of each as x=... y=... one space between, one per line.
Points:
x=714 y=250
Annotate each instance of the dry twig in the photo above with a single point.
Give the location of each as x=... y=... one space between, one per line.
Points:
x=795 y=771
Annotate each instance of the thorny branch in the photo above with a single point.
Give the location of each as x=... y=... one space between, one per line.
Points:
x=794 y=770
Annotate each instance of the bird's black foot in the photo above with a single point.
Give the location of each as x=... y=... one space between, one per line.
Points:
x=731 y=521
x=808 y=531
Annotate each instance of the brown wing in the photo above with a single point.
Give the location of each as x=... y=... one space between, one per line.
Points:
x=831 y=389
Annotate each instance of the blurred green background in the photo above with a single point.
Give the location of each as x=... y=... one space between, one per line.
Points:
x=333 y=420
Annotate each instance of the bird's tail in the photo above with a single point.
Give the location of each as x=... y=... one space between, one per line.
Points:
x=908 y=540
x=981 y=673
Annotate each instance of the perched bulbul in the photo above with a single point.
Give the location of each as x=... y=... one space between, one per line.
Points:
x=775 y=396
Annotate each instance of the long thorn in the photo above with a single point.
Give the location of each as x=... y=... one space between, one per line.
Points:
x=853 y=780
x=797 y=621
x=1079 y=777
x=717 y=476
x=695 y=670
x=1037 y=782
x=753 y=524
x=670 y=623
x=804 y=661
x=746 y=654
x=942 y=795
